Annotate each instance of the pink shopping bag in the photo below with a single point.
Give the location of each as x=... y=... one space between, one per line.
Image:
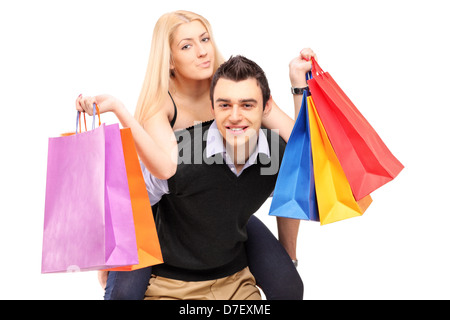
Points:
x=88 y=223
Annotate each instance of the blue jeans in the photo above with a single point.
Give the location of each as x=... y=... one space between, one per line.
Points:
x=268 y=261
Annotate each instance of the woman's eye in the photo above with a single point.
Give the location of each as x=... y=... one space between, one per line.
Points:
x=186 y=47
x=205 y=39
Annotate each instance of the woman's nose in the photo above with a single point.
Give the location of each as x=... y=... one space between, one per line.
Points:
x=201 y=51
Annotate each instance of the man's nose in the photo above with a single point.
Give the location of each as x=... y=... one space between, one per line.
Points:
x=236 y=114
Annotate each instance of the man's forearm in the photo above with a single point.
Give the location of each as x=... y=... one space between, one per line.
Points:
x=287 y=235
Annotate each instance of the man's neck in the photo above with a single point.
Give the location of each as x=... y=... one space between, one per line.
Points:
x=241 y=154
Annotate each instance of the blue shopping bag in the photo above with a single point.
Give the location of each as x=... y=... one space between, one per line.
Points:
x=295 y=194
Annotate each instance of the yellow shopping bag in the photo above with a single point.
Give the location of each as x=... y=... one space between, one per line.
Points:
x=334 y=195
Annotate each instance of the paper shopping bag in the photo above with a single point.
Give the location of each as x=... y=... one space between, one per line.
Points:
x=149 y=250
x=295 y=195
x=88 y=221
x=367 y=162
x=334 y=195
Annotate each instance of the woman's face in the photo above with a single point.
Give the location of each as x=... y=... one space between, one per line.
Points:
x=192 y=52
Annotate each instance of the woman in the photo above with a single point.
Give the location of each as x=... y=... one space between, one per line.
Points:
x=175 y=95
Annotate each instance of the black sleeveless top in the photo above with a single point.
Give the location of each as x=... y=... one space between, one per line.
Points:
x=172 y=123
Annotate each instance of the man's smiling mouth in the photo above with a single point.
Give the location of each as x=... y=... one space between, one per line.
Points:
x=236 y=129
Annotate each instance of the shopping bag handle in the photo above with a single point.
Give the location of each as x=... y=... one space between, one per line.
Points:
x=316 y=69
x=79 y=122
x=95 y=111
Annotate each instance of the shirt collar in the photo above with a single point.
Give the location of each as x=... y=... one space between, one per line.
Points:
x=215 y=145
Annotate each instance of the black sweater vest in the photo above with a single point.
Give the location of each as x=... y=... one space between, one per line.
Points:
x=201 y=223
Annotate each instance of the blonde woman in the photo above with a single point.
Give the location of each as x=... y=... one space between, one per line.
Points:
x=175 y=95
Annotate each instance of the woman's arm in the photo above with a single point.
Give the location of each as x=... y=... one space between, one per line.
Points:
x=156 y=144
x=279 y=121
x=298 y=67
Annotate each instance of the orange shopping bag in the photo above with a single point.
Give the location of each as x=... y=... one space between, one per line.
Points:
x=334 y=195
x=149 y=250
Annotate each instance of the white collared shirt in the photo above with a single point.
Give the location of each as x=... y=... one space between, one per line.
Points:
x=156 y=188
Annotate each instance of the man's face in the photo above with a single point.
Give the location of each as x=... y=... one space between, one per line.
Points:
x=238 y=110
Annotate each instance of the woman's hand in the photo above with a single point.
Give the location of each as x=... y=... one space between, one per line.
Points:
x=104 y=103
x=299 y=66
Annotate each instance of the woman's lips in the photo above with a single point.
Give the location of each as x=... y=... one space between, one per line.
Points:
x=205 y=64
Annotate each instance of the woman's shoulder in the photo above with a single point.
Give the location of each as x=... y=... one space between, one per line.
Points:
x=168 y=106
x=165 y=114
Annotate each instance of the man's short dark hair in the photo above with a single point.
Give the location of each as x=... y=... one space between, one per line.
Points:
x=240 y=68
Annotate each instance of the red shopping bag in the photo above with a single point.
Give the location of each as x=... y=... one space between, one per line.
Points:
x=367 y=162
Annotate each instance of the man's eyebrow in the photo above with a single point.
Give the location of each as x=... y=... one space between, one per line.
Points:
x=189 y=39
x=240 y=100
x=223 y=100
x=248 y=100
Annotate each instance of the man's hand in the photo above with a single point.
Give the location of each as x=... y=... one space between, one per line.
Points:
x=102 y=278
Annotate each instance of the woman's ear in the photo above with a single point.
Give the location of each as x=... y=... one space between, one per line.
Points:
x=171 y=66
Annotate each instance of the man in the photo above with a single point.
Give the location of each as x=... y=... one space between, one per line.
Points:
x=227 y=169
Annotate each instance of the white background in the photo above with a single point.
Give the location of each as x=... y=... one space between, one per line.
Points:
x=390 y=57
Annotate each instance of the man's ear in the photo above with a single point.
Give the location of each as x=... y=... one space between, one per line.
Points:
x=268 y=107
x=212 y=109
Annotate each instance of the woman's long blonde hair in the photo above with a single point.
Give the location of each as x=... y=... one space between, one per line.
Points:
x=157 y=77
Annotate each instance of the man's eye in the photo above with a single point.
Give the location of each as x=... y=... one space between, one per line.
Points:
x=224 y=105
x=248 y=106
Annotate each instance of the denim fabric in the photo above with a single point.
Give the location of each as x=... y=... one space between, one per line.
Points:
x=270 y=264
x=127 y=285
